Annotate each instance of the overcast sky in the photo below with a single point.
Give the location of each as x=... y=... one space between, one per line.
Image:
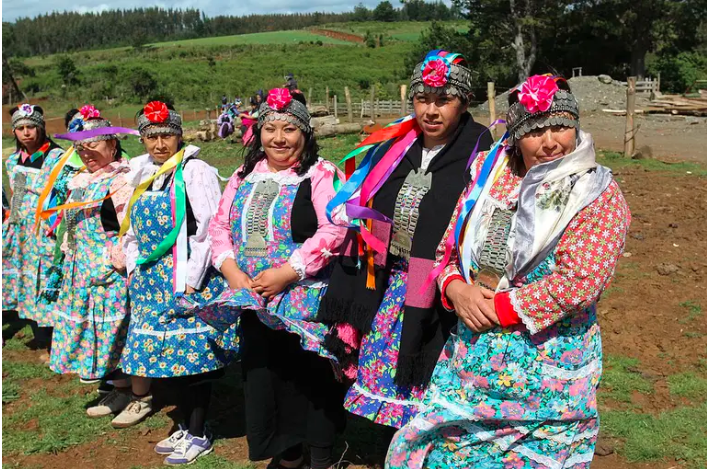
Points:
x=13 y=9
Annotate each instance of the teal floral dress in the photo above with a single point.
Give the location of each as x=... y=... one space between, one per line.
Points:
x=26 y=255
x=523 y=395
x=91 y=319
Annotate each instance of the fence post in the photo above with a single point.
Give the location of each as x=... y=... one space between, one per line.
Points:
x=120 y=120
x=657 y=85
x=309 y=97
x=630 y=133
x=326 y=99
x=373 y=97
x=377 y=109
x=362 y=101
x=349 y=109
x=403 y=100
x=491 y=91
x=336 y=107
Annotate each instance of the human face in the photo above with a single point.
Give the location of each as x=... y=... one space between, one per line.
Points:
x=96 y=155
x=283 y=143
x=162 y=147
x=438 y=116
x=547 y=144
x=28 y=136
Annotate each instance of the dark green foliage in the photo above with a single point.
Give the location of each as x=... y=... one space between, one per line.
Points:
x=385 y=12
x=678 y=72
x=66 y=68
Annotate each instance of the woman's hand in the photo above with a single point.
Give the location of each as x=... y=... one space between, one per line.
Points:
x=474 y=305
x=235 y=277
x=189 y=290
x=270 y=282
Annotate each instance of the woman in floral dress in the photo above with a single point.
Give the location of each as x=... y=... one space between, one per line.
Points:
x=272 y=241
x=402 y=203
x=533 y=242
x=27 y=253
x=168 y=262
x=91 y=319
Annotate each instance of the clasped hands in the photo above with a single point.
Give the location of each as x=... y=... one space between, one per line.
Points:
x=474 y=305
x=267 y=283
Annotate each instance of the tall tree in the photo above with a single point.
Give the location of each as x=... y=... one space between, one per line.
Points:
x=385 y=12
x=520 y=24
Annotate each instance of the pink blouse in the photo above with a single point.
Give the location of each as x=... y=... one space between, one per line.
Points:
x=316 y=251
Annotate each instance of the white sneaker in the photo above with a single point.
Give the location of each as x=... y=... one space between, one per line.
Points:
x=134 y=413
x=112 y=403
x=167 y=445
x=188 y=449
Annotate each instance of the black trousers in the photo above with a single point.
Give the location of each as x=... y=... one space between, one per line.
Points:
x=291 y=395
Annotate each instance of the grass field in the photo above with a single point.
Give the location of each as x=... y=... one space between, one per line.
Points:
x=273 y=37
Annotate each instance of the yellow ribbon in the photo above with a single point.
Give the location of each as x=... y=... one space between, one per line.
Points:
x=50 y=185
x=168 y=165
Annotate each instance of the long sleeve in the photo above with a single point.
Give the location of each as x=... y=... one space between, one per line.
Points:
x=121 y=196
x=130 y=249
x=317 y=251
x=585 y=257
x=220 y=225
x=204 y=194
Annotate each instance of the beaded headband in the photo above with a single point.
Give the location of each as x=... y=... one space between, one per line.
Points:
x=158 y=119
x=27 y=114
x=541 y=104
x=89 y=118
x=279 y=105
x=441 y=73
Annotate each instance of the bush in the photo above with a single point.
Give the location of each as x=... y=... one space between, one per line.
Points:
x=678 y=72
x=141 y=82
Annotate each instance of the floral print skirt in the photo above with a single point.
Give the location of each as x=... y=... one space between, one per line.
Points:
x=505 y=399
x=292 y=310
x=375 y=395
x=166 y=340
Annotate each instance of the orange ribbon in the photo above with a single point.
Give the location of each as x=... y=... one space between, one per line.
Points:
x=48 y=212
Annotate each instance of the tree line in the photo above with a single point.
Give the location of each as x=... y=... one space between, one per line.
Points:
x=61 y=32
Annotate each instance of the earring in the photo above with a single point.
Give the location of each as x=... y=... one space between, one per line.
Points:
x=261 y=148
x=141 y=140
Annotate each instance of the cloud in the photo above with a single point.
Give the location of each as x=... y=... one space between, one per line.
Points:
x=14 y=9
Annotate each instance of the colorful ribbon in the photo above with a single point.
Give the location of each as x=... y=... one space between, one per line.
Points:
x=86 y=134
x=45 y=202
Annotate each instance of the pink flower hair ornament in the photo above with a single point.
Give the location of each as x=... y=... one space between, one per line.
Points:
x=279 y=98
x=89 y=112
x=435 y=71
x=537 y=92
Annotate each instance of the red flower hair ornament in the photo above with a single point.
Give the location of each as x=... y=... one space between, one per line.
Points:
x=537 y=93
x=156 y=111
x=89 y=112
x=279 y=98
x=435 y=73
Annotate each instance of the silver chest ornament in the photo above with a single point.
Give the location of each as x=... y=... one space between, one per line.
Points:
x=71 y=218
x=264 y=195
x=19 y=189
x=406 y=214
x=494 y=253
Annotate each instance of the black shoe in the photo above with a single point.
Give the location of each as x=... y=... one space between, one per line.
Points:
x=105 y=388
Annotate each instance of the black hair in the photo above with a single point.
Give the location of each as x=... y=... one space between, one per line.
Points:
x=255 y=154
x=42 y=131
x=69 y=116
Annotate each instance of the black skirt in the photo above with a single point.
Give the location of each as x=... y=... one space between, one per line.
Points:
x=291 y=395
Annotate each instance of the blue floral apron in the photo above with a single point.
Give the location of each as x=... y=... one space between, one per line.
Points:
x=295 y=308
x=164 y=340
